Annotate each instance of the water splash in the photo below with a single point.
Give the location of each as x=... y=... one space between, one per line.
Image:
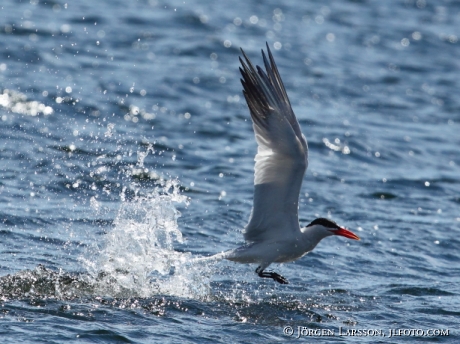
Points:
x=138 y=258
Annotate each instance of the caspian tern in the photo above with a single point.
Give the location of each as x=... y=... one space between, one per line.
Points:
x=273 y=234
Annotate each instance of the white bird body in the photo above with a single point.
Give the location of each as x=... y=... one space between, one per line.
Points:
x=283 y=250
x=273 y=234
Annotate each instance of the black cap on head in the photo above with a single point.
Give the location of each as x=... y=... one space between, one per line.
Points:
x=324 y=222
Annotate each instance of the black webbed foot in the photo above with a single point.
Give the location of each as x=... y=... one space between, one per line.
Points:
x=273 y=275
x=278 y=278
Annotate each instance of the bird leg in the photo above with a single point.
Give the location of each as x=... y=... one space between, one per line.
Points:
x=276 y=277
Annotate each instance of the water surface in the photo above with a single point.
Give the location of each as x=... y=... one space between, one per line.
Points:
x=126 y=150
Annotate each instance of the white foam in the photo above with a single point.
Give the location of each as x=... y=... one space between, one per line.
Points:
x=17 y=102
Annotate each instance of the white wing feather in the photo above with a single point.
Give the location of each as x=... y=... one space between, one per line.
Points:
x=282 y=155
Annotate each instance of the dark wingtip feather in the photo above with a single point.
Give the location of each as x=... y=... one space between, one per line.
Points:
x=263 y=89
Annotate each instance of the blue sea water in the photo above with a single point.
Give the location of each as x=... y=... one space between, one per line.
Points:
x=126 y=150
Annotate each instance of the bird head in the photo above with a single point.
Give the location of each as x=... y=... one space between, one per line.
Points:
x=327 y=227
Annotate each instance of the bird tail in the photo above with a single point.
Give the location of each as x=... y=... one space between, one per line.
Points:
x=213 y=258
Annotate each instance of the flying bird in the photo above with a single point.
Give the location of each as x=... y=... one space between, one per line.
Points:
x=273 y=234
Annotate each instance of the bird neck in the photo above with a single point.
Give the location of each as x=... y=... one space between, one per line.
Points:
x=312 y=235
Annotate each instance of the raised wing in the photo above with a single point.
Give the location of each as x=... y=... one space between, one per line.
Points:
x=282 y=155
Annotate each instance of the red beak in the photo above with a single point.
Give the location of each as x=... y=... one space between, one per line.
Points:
x=346 y=233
